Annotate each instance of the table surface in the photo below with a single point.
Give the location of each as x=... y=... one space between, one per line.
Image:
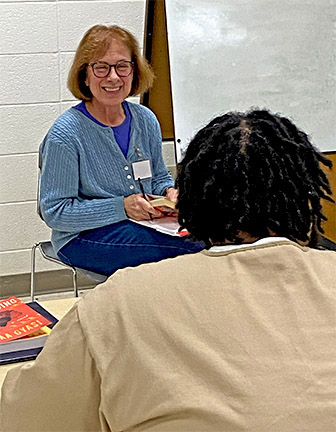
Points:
x=58 y=308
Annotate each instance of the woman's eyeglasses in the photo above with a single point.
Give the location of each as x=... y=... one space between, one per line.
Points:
x=123 y=68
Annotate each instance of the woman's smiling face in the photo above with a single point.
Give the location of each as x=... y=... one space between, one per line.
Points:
x=111 y=90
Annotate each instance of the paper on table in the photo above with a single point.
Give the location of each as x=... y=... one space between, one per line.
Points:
x=166 y=225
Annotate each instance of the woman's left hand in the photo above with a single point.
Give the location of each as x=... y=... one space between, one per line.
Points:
x=172 y=194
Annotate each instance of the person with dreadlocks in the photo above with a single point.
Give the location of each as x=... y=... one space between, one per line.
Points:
x=238 y=337
x=251 y=175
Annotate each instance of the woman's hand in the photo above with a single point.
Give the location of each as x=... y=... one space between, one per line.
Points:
x=172 y=194
x=137 y=208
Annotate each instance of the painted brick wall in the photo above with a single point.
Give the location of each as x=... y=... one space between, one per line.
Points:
x=37 y=43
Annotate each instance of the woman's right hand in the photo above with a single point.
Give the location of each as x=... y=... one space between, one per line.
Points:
x=137 y=208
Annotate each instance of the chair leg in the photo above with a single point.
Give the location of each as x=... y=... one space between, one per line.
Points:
x=32 y=271
x=74 y=281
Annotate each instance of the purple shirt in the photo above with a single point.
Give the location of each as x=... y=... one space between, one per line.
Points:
x=121 y=132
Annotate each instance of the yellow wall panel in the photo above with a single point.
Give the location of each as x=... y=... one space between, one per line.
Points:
x=329 y=209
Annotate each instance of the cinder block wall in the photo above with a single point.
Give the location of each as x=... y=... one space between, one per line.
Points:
x=37 y=43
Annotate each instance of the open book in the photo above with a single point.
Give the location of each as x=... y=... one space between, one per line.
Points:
x=162 y=203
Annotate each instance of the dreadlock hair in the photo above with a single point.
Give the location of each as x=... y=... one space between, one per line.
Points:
x=252 y=172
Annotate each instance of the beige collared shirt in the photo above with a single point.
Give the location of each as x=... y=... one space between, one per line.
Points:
x=223 y=340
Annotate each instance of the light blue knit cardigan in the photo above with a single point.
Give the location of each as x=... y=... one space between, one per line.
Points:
x=85 y=176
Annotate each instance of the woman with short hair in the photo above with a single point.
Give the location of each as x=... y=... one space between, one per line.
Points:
x=92 y=157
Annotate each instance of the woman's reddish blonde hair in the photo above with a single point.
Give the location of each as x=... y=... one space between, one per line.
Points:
x=95 y=44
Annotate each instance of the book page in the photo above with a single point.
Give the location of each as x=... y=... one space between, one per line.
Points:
x=166 y=225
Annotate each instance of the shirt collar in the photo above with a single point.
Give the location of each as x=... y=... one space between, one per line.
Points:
x=226 y=248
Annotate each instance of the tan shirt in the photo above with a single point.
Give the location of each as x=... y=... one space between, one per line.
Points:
x=241 y=340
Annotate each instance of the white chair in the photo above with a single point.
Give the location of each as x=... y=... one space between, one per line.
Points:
x=47 y=252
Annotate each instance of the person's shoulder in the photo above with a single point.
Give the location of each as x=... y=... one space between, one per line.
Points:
x=126 y=290
x=138 y=110
x=323 y=254
x=319 y=259
x=69 y=123
x=132 y=283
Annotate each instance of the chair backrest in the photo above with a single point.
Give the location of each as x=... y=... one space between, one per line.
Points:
x=38 y=209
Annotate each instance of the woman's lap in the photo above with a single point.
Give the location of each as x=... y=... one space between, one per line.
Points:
x=123 y=244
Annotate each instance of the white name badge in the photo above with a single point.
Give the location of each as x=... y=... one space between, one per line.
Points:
x=142 y=169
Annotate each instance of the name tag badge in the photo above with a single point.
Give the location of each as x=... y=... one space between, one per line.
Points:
x=142 y=169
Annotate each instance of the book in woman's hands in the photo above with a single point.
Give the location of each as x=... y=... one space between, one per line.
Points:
x=168 y=223
x=163 y=204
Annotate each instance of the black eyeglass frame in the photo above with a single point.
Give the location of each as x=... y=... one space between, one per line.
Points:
x=110 y=66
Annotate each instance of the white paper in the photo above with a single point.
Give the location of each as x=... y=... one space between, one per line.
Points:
x=166 y=225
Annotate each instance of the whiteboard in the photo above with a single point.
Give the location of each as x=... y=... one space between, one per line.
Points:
x=236 y=54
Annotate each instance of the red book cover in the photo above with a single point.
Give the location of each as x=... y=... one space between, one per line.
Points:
x=18 y=319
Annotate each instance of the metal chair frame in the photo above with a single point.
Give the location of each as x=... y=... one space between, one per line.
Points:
x=40 y=246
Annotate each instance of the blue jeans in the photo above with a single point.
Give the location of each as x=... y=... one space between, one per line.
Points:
x=107 y=249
